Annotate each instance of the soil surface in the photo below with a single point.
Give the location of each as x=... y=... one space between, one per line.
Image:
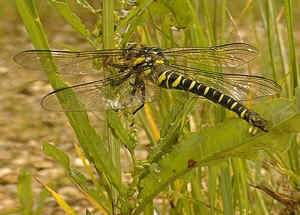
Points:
x=24 y=126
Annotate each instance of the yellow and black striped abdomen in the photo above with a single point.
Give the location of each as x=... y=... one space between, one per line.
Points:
x=172 y=80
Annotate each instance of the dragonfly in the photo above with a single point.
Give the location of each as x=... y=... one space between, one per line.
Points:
x=139 y=72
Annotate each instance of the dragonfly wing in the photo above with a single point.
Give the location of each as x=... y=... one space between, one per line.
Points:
x=111 y=93
x=77 y=98
x=240 y=86
x=228 y=55
x=68 y=61
x=246 y=87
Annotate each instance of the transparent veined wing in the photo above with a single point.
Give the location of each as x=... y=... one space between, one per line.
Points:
x=75 y=67
x=116 y=92
x=70 y=61
x=228 y=55
x=98 y=96
x=87 y=86
x=240 y=86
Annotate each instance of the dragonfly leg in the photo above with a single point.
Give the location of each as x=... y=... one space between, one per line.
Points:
x=139 y=85
x=139 y=108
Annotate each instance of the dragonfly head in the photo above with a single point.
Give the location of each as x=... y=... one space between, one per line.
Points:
x=141 y=50
x=131 y=50
x=135 y=51
x=153 y=51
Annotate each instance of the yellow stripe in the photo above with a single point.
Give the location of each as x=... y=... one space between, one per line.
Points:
x=243 y=113
x=206 y=90
x=199 y=86
x=214 y=93
x=159 y=61
x=177 y=81
x=233 y=105
x=220 y=98
x=192 y=85
x=138 y=61
x=183 y=81
x=229 y=100
x=161 y=78
x=147 y=71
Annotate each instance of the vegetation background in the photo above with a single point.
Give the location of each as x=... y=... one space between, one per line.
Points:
x=181 y=156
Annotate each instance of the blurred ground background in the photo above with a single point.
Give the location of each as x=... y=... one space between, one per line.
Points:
x=24 y=125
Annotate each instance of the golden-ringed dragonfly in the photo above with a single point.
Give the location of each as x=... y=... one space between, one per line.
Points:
x=139 y=70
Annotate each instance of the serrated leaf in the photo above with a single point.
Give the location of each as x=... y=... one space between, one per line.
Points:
x=119 y=131
x=169 y=134
x=96 y=198
x=212 y=145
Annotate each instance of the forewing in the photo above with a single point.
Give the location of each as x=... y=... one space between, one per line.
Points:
x=228 y=55
x=69 y=62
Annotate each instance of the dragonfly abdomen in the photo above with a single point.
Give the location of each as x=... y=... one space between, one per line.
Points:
x=172 y=80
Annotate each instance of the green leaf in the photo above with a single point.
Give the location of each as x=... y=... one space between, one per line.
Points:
x=62 y=158
x=58 y=155
x=226 y=188
x=25 y=192
x=212 y=145
x=170 y=134
x=59 y=199
x=284 y=115
x=120 y=132
x=132 y=20
x=73 y=20
x=97 y=195
x=42 y=201
x=179 y=9
x=293 y=66
x=86 y=4
x=29 y=14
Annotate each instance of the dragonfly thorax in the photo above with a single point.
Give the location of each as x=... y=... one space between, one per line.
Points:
x=143 y=58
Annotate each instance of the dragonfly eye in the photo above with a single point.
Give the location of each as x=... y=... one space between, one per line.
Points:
x=156 y=51
x=131 y=46
x=129 y=49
